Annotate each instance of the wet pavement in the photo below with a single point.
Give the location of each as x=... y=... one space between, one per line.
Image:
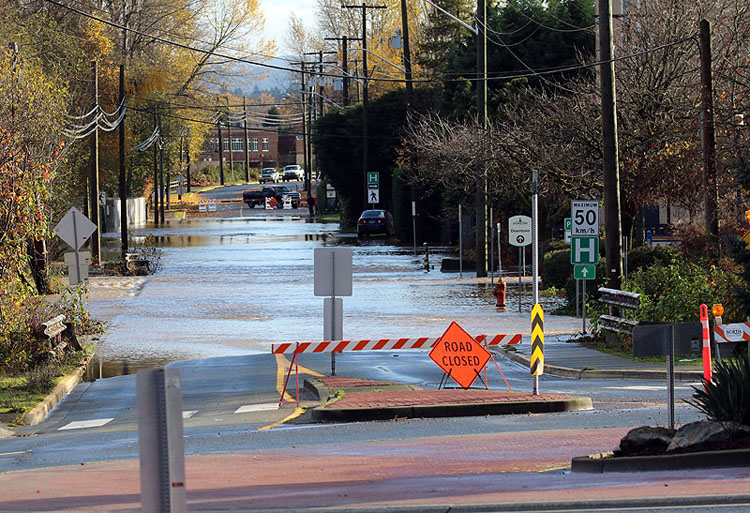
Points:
x=231 y=286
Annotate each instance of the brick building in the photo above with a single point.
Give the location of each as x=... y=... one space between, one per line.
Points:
x=264 y=147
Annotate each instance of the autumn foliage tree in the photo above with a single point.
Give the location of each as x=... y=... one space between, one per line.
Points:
x=31 y=114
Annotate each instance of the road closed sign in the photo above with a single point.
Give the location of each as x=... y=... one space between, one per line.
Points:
x=519 y=231
x=459 y=355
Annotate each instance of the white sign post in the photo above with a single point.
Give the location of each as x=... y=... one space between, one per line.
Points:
x=75 y=229
x=332 y=277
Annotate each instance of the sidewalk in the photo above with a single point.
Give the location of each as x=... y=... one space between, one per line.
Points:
x=565 y=357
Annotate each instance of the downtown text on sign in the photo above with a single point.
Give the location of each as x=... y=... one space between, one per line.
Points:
x=519 y=231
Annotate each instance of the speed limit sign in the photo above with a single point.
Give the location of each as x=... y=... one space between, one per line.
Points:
x=584 y=215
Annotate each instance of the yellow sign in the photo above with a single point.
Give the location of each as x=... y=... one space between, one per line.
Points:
x=537 y=341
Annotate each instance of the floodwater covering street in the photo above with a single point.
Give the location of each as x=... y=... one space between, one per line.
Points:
x=230 y=286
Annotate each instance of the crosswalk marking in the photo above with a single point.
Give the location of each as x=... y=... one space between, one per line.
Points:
x=81 y=424
x=257 y=407
x=649 y=388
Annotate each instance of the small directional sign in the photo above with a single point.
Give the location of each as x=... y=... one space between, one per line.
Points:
x=584 y=271
x=568 y=227
x=537 y=341
x=373 y=195
x=584 y=250
x=519 y=231
x=373 y=179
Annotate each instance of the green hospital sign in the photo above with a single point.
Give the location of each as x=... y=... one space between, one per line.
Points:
x=584 y=250
x=373 y=179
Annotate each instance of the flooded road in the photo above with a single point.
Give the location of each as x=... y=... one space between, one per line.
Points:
x=231 y=286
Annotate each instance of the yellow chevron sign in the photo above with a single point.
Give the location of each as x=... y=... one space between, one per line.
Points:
x=537 y=341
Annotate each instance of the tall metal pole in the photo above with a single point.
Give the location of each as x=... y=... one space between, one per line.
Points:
x=345 y=68
x=304 y=119
x=535 y=232
x=123 y=184
x=162 y=190
x=407 y=55
x=708 y=141
x=612 y=214
x=245 y=143
x=221 y=149
x=96 y=241
x=156 y=170
x=365 y=94
x=231 y=150
x=481 y=185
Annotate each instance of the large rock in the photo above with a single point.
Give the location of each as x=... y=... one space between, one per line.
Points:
x=697 y=433
x=646 y=437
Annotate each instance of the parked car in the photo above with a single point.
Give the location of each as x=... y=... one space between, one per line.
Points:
x=258 y=197
x=293 y=172
x=373 y=222
x=269 y=174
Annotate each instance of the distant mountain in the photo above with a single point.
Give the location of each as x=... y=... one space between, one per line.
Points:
x=275 y=82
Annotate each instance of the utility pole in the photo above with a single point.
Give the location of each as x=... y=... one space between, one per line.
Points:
x=365 y=79
x=187 y=160
x=481 y=186
x=156 y=169
x=96 y=240
x=305 y=136
x=229 y=136
x=407 y=55
x=708 y=139
x=123 y=184
x=162 y=190
x=245 y=144
x=612 y=221
x=344 y=64
x=221 y=149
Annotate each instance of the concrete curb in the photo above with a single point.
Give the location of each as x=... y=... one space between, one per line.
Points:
x=706 y=459
x=567 y=372
x=451 y=410
x=63 y=388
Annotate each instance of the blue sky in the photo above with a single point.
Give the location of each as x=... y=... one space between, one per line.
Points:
x=277 y=17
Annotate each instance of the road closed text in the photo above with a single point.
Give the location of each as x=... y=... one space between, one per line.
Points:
x=452 y=359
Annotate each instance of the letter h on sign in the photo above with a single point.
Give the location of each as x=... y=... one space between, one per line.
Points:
x=584 y=250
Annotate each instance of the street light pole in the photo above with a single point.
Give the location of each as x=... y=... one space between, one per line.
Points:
x=481 y=185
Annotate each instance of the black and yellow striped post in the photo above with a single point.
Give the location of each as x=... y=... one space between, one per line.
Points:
x=537 y=345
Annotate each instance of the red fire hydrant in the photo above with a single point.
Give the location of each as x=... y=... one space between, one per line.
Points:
x=499 y=292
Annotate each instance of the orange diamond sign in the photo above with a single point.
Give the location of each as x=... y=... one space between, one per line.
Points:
x=459 y=355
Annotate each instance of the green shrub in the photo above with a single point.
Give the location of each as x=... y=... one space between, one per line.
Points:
x=42 y=377
x=674 y=292
x=557 y=268
x=555 y=245
x=644 y=256
x=727 y=397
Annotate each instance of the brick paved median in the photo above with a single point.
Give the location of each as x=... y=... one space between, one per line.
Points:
x=393 y=398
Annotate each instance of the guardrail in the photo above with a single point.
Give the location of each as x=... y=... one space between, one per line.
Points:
x=622 y=299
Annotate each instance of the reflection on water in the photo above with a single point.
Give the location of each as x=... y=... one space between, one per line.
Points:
x=236 y=286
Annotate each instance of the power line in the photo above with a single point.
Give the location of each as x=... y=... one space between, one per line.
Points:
x=513 y=75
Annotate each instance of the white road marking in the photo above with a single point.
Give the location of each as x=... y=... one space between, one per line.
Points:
x=189 y=413
x=81 y=424
x=650 y=388
x=257 y=407
x=17 y=453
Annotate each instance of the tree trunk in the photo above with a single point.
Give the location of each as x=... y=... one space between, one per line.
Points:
x=37 y=251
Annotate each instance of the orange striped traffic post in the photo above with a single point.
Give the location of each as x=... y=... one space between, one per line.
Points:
x=706 y=344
